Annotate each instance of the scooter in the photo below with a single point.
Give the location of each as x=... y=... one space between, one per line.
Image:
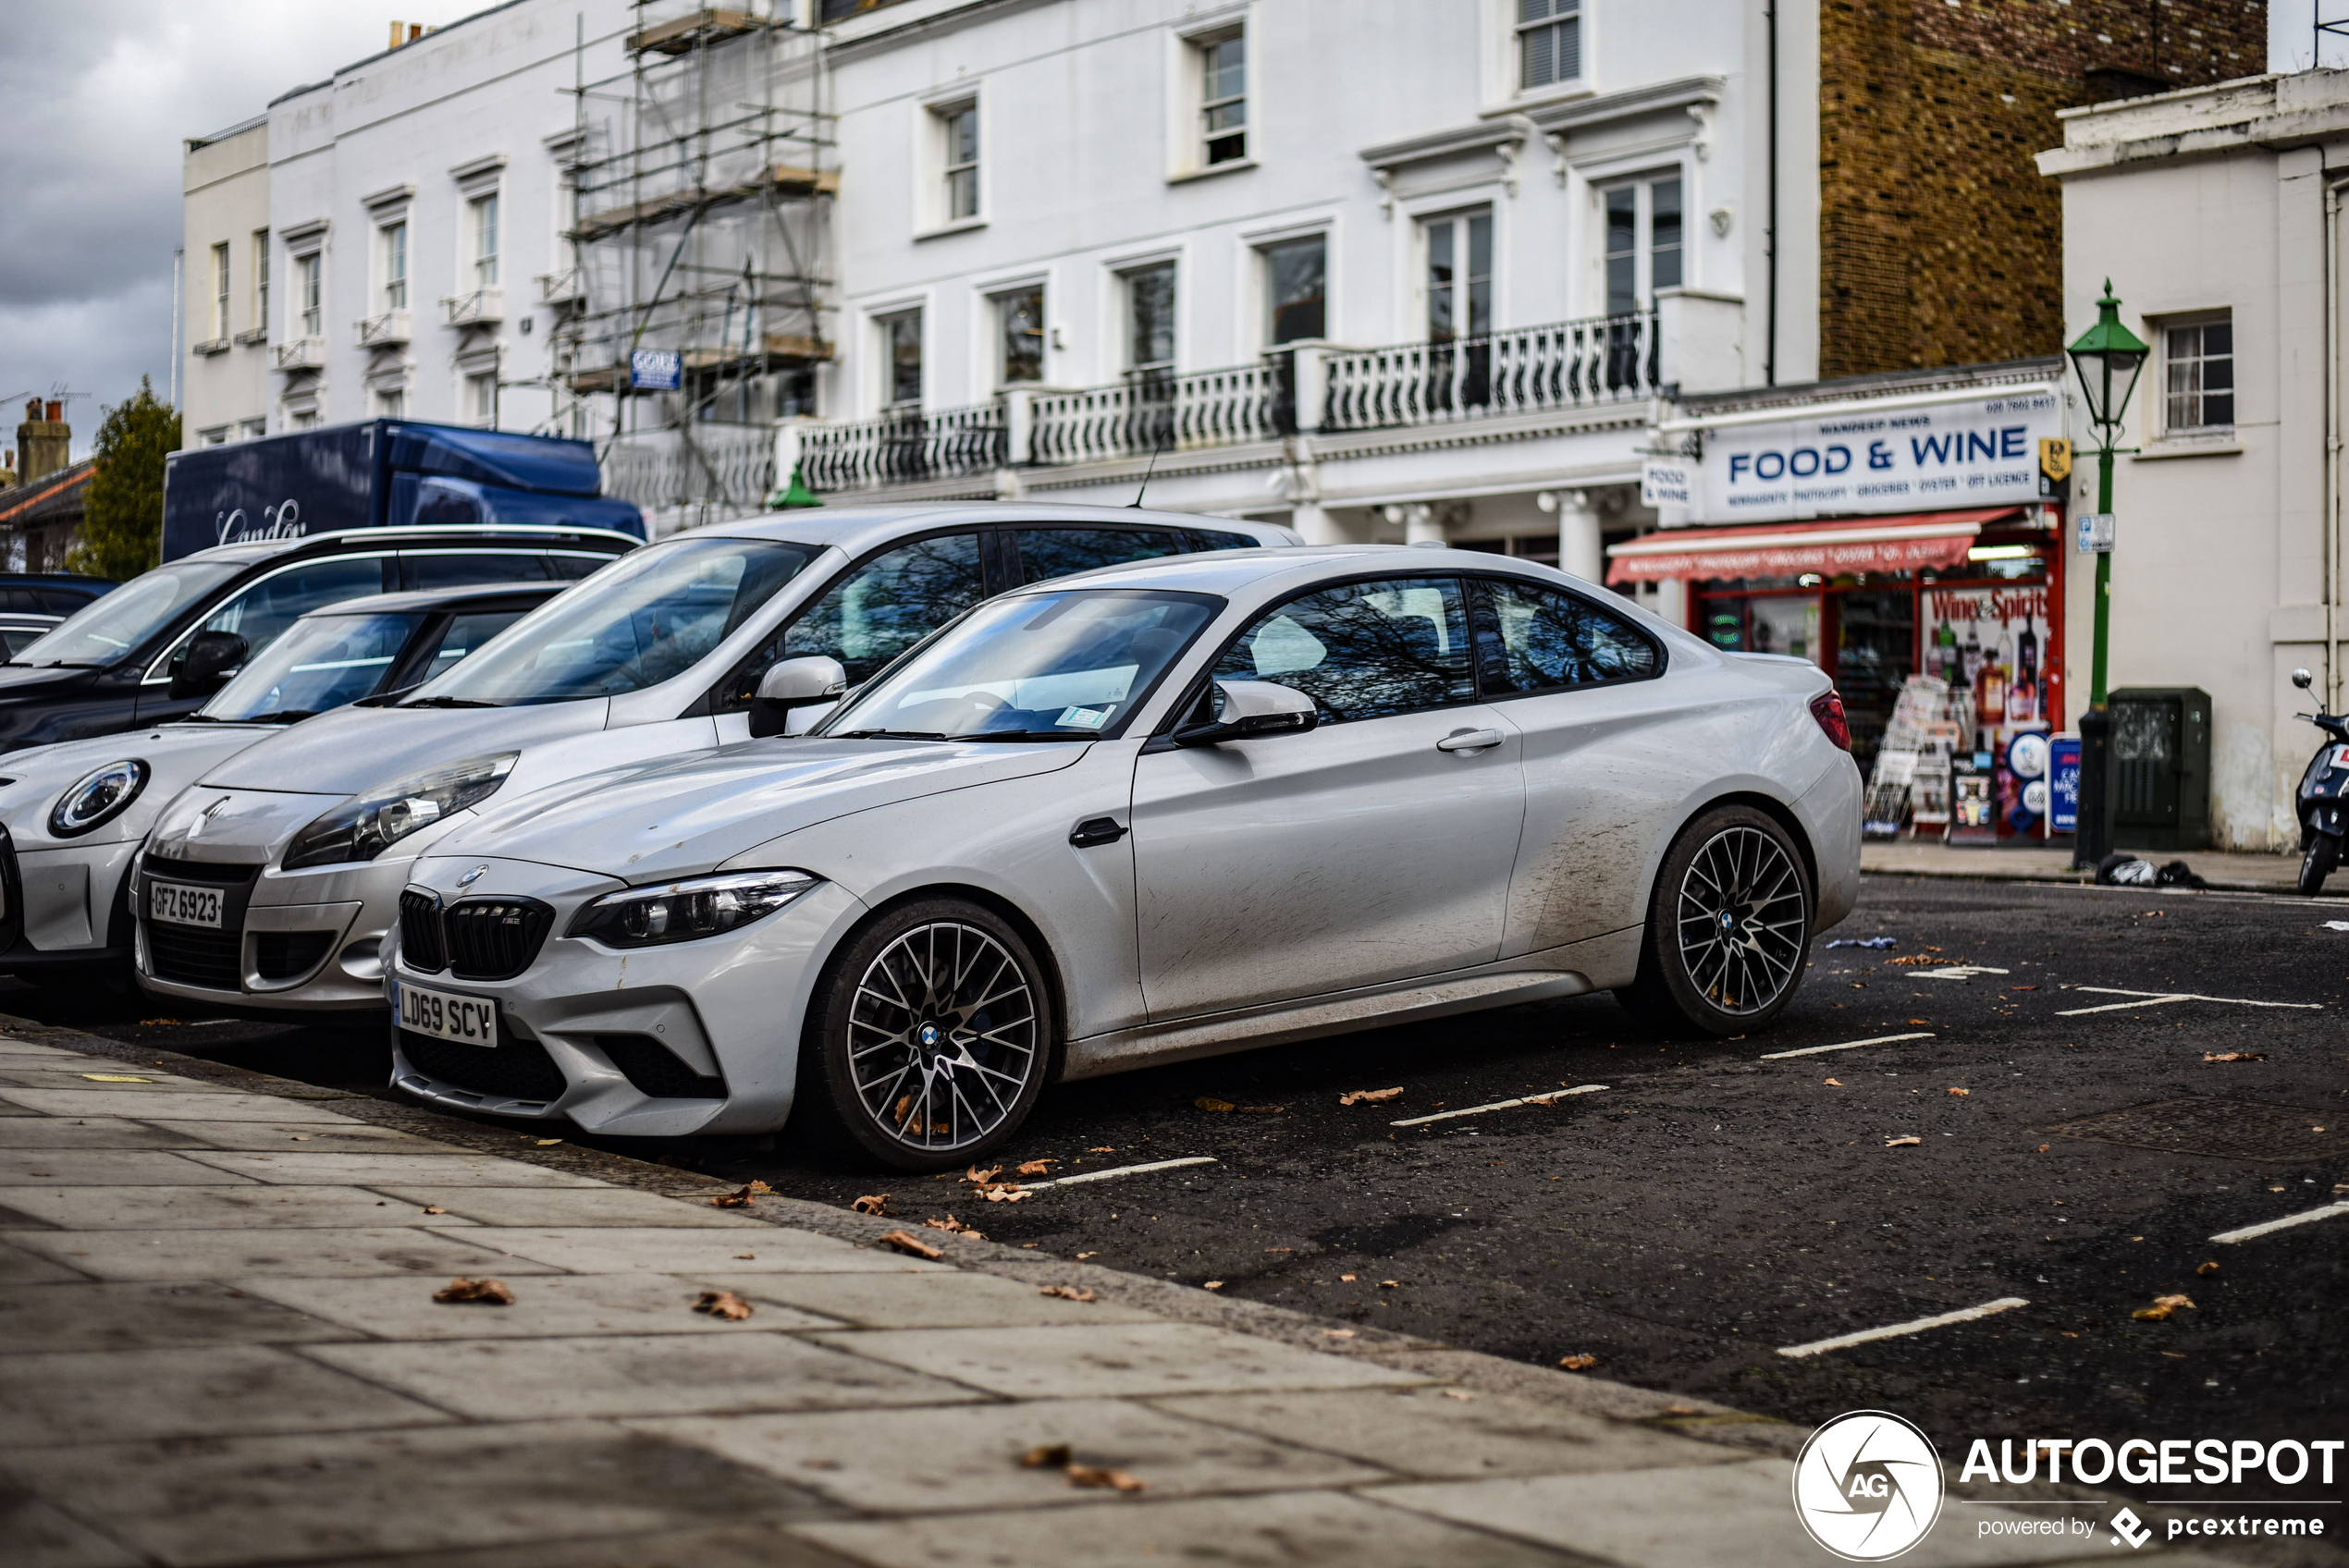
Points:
x=2323 y=800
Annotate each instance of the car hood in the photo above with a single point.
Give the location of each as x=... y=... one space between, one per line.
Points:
x=352 y=750
x=20 y=681
x=175 y=754
x=652 y=823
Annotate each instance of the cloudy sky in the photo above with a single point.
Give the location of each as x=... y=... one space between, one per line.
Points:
x=101 y=97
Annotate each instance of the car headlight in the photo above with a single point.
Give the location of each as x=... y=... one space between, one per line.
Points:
x=685 y=912
x=365 y=828
x=97 y=799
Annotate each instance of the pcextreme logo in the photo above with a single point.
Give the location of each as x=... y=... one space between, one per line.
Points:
x=1867 y=1486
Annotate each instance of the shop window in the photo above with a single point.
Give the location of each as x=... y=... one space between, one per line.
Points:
x=2199 y=365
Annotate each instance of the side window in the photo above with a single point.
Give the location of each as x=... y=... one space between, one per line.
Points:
x=1536 y=639
x=571 y=568
x=1364 y=650
x=875 y=613
x=266 y=609
x=1056 y=552
x=19 y=601
x=1216 y=539
x=465 y=569
x=464 y=634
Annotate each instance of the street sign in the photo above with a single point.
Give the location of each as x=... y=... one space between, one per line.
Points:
x=2096 y=532
x=2055 y=459
x=2064 y=784
x=655 y=370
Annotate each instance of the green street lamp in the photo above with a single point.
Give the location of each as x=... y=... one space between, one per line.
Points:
x=2109 y=358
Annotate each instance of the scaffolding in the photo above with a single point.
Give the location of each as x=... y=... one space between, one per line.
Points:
x=702 y=183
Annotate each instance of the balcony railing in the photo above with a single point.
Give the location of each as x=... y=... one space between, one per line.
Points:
x=727 y=466
x=383 y=331
x=477 y=309
x=302 y=353
x=561 y=287
x=1530 y=369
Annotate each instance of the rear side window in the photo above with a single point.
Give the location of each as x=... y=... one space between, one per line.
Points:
x=465 y=569
x=1055 y=552
x=886 y=605
x=1536 y=639
x=1364 y=650
x=571 y=568
x=1216 y=539
x=19 y=601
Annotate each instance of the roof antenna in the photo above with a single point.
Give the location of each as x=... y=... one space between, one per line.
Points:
x=1135 y=505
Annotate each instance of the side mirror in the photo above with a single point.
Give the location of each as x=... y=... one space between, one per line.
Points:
x=203 y=665
x=794 y=683
x=1248 y=709
x=2301 y=678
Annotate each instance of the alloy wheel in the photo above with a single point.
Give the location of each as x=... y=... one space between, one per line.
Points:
x=1741 y=921
x=942 y=1037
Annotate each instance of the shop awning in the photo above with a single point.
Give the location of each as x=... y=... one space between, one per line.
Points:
x=1787 y=549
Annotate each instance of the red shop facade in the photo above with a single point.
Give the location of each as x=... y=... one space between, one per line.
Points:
x=1973 y=597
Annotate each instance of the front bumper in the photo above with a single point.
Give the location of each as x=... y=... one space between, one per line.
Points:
x=64 y=908
x=698 y=1036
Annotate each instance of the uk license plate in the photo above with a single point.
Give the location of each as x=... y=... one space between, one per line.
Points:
x=175 y=903
x=444 y=1015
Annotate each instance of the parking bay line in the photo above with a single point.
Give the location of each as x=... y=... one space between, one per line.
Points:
x=1116 y=1170
x=2156 y=998
x=1844 y=1341
x=2330 y=1211
x=1847 y=1046
x=1498 y=1104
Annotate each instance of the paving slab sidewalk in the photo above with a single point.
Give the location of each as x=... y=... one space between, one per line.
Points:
x=2224 y=873
x=219 y=1345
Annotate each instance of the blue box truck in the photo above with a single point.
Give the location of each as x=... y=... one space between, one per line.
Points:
x=382 y=473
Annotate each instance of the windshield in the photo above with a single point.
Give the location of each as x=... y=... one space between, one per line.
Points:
x=113 y=625
x=321 y=662
x=1042 y=667
x=645 y=617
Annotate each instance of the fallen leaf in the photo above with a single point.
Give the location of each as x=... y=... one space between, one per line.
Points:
x=301 y=1137
x=1045 y=1457
x=2208 y=1269
x=1212 y=1285
x=2023 y=987
x=2234 y=1056
x=1093 y=1476
x=1920 y=1020
x=1835 y=1083
x=2160 y=1310
x=114 y=1078
x=1460 y=1394
x=1105 y=1148
x=1578 y=1363
x=2043 y=1148
x=489 y=1292
x=1206 y=1102
x=1035 y=1168
x=158 y=1022
x=723 y=1304
x=905 y=1241
x=1083 y=1255
x=1280 y=1249
x=872 y=1203
x=978 y=1178
x=1682 y=1410
x=1261 y=1110
x=435 y=1209
x=1339 y=1333
x=1900 y=1143
x=747 y=1256
x=1348 y=1277
x=2175 y=1354
x=1390 y=1284
x=953 y=1227
x=1961 y=1092
x=1003 y=1193
x=741 y=1197
x=549 y=1142
x=1370 y=1097
x=1066 y=1292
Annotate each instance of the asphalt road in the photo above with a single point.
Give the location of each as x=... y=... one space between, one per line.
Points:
x=1710 y=1206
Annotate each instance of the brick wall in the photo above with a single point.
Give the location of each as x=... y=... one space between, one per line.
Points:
x=1940 y=243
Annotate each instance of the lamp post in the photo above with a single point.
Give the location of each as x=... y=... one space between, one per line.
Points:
x=2109 y=358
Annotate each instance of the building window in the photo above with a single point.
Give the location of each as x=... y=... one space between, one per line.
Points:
x=481 y=398
x=1459 y=276
x=1549 y=43
x=482 y=222
x=310 y=271
x=958 y=127
x=260 y=278
x=1296 y=289
x=2198 y=360
x=217 y=437
x=252 y=430
x=393 y=245
x=1150 y=317
x=220 y=291
x=1644 y=242
x=901 y=352
x=305 y=419
x=1019 y=317
x=1223 y=97
x=392 y=404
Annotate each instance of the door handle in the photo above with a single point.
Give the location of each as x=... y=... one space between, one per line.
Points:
x=1469 y=740
x=1096 y=830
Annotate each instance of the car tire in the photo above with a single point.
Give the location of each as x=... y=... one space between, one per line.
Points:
x=1729 y=927
x=929 y=1039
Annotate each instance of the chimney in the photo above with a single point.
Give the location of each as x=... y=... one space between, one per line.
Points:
x=47 y=444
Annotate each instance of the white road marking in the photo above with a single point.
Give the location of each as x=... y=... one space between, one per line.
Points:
x=1845 y=1342
x=1498 y=1104
x=1847 y=1046
x=1955 y=972
x=2156 y=998
x=1115 y=1171
x=2330 y=1211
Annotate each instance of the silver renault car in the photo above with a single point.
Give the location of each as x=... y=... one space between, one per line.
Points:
x=307 y=838
x=1153 y=812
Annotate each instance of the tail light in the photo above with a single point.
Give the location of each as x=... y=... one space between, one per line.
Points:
x=1829 y=711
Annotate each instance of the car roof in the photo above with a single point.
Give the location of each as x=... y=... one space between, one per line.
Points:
x=1231 y=571
x=857 y=529
x=470 y=596
x=246 y=552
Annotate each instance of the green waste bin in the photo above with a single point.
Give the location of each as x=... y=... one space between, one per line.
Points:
x=2160 y=767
